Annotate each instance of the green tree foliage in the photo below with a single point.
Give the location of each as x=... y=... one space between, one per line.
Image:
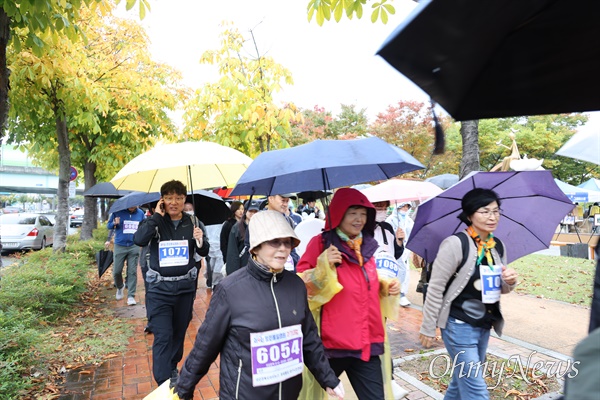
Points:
x=239 y=110
x=537 y=137
x=323 y=10
x=319 y=123
x=41 y=22
x=108 y=96
x=409 y=125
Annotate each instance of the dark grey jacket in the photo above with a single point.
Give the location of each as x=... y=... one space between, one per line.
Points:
x=147 y=233
x=244 y=303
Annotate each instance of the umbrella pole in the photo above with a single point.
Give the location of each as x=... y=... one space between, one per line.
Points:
x=193 y=202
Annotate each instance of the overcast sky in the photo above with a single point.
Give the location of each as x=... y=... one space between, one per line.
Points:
x=331 y=65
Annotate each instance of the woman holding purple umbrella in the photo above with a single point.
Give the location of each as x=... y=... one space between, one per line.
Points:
x=464 y=300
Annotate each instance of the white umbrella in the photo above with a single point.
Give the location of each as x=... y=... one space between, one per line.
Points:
x=201 y=165
x=583 y=146
x=399 y=190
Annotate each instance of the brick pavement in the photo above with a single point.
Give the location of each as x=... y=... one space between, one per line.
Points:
x=129 y=376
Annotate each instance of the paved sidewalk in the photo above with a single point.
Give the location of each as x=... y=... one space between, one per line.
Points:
x=130 y=376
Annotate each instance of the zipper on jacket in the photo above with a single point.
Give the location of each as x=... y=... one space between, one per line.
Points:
x=237 y=385
x=366 y=277
x=274 y=279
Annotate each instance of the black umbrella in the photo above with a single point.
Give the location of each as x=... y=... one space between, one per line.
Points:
x=105 y=189
x=104 y=259
x=313 y=194
x=209 y=207
x=501 y=58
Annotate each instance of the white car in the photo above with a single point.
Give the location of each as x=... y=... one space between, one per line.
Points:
x=25 y=231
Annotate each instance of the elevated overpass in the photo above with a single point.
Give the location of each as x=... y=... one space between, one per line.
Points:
x=19 y=175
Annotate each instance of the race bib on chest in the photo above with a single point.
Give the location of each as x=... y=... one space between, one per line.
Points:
x=289 y=263
x=130 y=226
x=491 y=283
x=387 y=266
x=173 y=253
x=276 y=355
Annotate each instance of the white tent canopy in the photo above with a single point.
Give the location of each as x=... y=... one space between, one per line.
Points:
x=577 y=194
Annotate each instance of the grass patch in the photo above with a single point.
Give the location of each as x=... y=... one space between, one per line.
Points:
x=504 y=377
x=53 y=316
x=566 y=279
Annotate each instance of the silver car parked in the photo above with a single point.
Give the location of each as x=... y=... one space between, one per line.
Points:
x=25 y=231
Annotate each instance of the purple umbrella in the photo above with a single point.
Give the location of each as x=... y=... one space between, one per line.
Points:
x=532 y=207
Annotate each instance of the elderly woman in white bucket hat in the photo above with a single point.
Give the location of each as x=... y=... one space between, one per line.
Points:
x=259 y=322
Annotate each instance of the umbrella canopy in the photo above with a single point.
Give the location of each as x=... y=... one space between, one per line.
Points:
x=134 y=199
x=208 y=206
x=591 y=184
x=313 y=194
x=105 y=189
x=104 y=259
x=324 y=165
x=584 y=146
x=443 y=181
x=210 y=165
x=532 y=208
x=400 y=190
x=578 y=194
x=481 y=59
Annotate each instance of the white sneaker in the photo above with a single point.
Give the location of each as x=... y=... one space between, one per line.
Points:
x=398 y=391
x=119 y=295
x=404 y=302
x=131 y=301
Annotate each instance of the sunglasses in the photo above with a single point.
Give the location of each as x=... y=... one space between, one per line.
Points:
x=276 y=243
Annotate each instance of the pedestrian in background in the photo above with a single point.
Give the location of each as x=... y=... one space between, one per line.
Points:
x=401 y=221
x=237 y=211
x=237 y=254
x=125 y=223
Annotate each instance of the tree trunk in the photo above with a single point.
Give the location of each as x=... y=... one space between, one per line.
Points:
x=4 y=71
x=90 y=204
x=64 y=177
x=469 y=130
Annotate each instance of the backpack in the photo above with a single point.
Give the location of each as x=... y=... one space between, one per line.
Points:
x=464 y=241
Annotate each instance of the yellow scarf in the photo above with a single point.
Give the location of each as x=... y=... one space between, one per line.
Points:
x=483 y=248
x=354 y=244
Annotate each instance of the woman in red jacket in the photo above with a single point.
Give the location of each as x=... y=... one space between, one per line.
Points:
x=351 y=326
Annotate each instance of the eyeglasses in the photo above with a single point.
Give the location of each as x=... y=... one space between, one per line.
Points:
x=276 y=243
x=173 y=199
x=489 y=213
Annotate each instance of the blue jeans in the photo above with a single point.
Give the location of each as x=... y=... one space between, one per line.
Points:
x=467 y=345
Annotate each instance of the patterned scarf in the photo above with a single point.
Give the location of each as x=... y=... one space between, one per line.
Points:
x=354 y=244
x=483 y=248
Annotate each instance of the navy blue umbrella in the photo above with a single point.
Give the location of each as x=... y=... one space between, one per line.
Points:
x=134 y=199
x=209 y=207
x=324 y=165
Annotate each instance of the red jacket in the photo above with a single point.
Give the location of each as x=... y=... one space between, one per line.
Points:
x=351 y=322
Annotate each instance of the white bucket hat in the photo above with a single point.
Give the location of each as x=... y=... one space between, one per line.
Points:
x=268 y=225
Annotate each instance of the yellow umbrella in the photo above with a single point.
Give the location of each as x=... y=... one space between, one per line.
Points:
x=200 y=165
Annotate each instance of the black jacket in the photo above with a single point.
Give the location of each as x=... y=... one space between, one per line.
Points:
x=235 y=247
x=242 y=304
x=224 y=237
x=147 y=233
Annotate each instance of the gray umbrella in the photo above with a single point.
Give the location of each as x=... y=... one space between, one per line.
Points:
x=444 y=181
